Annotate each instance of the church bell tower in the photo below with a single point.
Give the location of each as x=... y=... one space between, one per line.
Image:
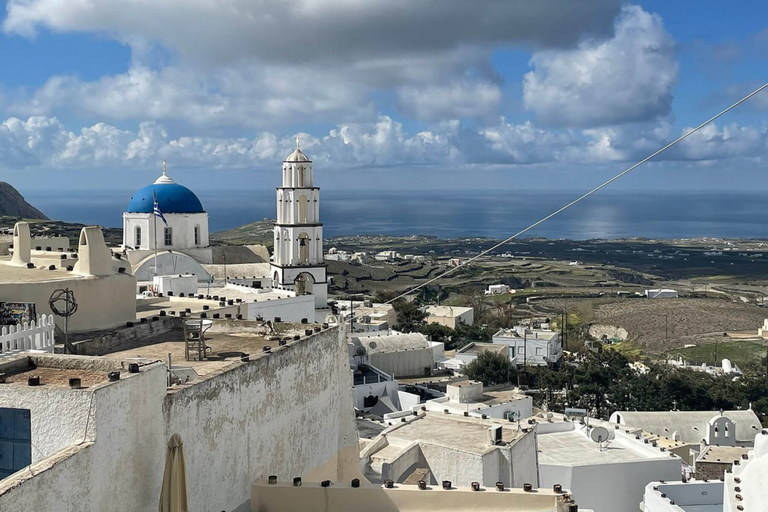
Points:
x=297 y=263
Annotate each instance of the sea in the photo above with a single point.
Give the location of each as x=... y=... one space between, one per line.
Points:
x=462 y=213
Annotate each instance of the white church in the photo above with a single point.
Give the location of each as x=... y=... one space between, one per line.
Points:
x=179 y=244
x=181 y=241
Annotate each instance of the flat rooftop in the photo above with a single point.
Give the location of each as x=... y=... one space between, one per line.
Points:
x=153 y=306
x=479 y=348
x=228 y=340
x=722 y=454
x=453 y=431
x=11 y=274
x=575 y=448
x=56 y=370
x=491 y=398
x=535 y=334
x=447 y=311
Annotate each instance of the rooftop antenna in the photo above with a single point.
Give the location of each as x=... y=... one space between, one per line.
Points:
x=599 y=435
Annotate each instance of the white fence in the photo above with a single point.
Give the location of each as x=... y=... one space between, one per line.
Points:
x=38 y=336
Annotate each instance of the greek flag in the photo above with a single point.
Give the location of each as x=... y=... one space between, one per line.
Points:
x=158 y=213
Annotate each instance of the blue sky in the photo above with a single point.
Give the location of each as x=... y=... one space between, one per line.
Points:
x=431 y=94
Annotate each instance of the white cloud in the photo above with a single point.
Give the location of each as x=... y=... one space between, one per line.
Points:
x=457 y=100
x=526 y=144
x=45 y=143
x=628 y=78
x=274 y=63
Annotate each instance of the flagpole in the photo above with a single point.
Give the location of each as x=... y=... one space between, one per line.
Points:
x=154 y=220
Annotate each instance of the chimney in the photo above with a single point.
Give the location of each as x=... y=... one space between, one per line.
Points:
x=94 y=258
x=22 y=245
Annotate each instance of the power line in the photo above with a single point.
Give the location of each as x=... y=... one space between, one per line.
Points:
x=580 y=198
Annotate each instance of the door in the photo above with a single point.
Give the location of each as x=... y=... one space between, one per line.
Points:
x=15 y=440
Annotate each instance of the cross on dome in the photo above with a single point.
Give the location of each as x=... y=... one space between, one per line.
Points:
x=297 y=155
x=164 y=178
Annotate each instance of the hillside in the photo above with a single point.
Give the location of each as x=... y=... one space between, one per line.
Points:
x=13 y=204
x=255 y=233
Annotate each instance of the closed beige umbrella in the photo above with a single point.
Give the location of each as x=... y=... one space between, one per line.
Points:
x=173 y=496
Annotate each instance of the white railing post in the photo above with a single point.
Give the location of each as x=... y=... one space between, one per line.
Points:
x=38 y=336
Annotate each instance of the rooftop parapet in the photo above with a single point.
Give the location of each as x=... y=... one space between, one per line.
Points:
x=284 y=496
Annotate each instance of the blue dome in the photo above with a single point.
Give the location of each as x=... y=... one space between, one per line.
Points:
x=171 y=197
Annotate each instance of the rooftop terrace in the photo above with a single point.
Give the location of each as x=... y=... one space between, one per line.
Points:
x=453 y=431
x=575 y=448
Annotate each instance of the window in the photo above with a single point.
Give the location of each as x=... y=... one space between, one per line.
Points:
x=15 y=440
x=168 y=236
x=138 y=236
x=539 y=351
x=197 y=235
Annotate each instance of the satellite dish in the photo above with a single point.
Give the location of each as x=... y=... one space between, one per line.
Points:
x=372 y=344
x=360 y=351
x=599 y=434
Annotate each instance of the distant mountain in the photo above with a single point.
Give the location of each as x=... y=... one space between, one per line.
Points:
x=13 y=204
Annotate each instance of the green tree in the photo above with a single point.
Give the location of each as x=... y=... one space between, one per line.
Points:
x=438 y=332
x=491 y=368
x=409 y=316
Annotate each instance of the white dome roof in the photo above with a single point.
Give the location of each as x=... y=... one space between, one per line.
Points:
x=297 y=156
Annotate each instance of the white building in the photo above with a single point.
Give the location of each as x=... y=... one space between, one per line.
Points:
x=678 y=496
x=742 y=487
x=453 y=447
x=470 y=397
x=102 y=284
x=470 y=352
x=181 y=241
x=609 y=476
x=745 y=486
x=661 y=293
x=449 y=316
x=298 y=235
x=396 y=354
x=103 y=443
x=726 y=367
x=498 y=289
x=536 y=347
x=726 y=428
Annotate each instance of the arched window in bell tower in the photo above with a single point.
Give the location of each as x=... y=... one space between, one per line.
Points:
x=303 y=249
x=303 y=209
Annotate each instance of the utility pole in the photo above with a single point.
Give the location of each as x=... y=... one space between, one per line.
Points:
x=525 y=353
x=666 y=328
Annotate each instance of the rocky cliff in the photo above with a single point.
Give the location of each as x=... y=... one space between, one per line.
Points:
x=12 y=203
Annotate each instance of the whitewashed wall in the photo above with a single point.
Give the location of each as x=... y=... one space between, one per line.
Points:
x=103 y=302
x=288 y=413
x=404 y=363
x=289 y=309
